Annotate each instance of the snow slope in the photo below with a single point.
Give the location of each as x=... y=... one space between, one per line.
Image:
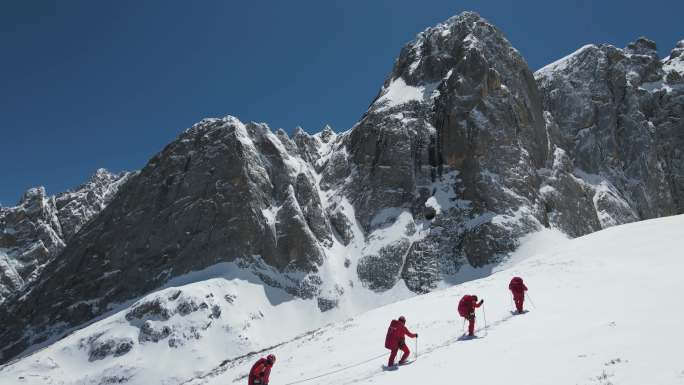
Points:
x=607 y=310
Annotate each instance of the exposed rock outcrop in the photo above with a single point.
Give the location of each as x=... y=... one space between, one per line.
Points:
x=35 y=231
x=460 y=100
x=617 y=126
x=222 y=191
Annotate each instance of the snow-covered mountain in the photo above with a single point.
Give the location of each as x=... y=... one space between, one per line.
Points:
x=240 y=234
x=614 y=120
x=36 y=230
x=603 y=308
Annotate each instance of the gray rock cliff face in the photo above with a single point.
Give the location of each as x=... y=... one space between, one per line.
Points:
x=35 y=231
x=223 y=191
x=666 y=117
x=463 y=152
x=76 y=208
x=616 y=126
x=460 y=107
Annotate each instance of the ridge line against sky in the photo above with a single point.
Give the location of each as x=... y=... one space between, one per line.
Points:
x=88 y=85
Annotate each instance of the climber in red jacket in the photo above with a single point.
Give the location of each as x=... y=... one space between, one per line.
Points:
x=466 y=308
x=395 y=340
x=518 y=288
x=260 y=371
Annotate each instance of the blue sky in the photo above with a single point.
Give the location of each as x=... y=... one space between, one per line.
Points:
x=88 y=84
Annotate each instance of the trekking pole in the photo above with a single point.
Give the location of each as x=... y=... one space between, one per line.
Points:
x=416 y=347
x=484 y=318
x=530 y=299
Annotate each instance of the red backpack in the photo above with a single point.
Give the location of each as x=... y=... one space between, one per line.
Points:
x=391 y=340
x=516 y=284
x=465 y=306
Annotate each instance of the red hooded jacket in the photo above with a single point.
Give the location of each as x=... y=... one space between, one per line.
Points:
x=396 y=333
x=467 y=305
x=261 y=370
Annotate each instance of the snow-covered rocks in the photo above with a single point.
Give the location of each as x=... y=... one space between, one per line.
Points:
x=36 y=230
x=460 y=100
x=223 y=191
x=100 y=347
x=10 y=280
x=77 y=207
x=611 y=116
x=673 y=65
x=381 y=271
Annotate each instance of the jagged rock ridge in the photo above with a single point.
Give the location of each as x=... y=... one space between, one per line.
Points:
x=614 y=121
x=36 y=230
x=456 y=93
x=223 y=191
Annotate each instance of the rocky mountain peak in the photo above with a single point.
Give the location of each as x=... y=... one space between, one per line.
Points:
x=223 y=192
x=78 y=206
x=677 y=52
x=643 y=46
x=102 y=176
x=437 y=50
x=327 y=134
x=673 y=65
x=458 y=118
x=35 y=231
x=33 y=195
x=37 y=204
x=298 y=131
x=607 y=109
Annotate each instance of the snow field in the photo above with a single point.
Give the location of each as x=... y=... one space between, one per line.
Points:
x=607 y=310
